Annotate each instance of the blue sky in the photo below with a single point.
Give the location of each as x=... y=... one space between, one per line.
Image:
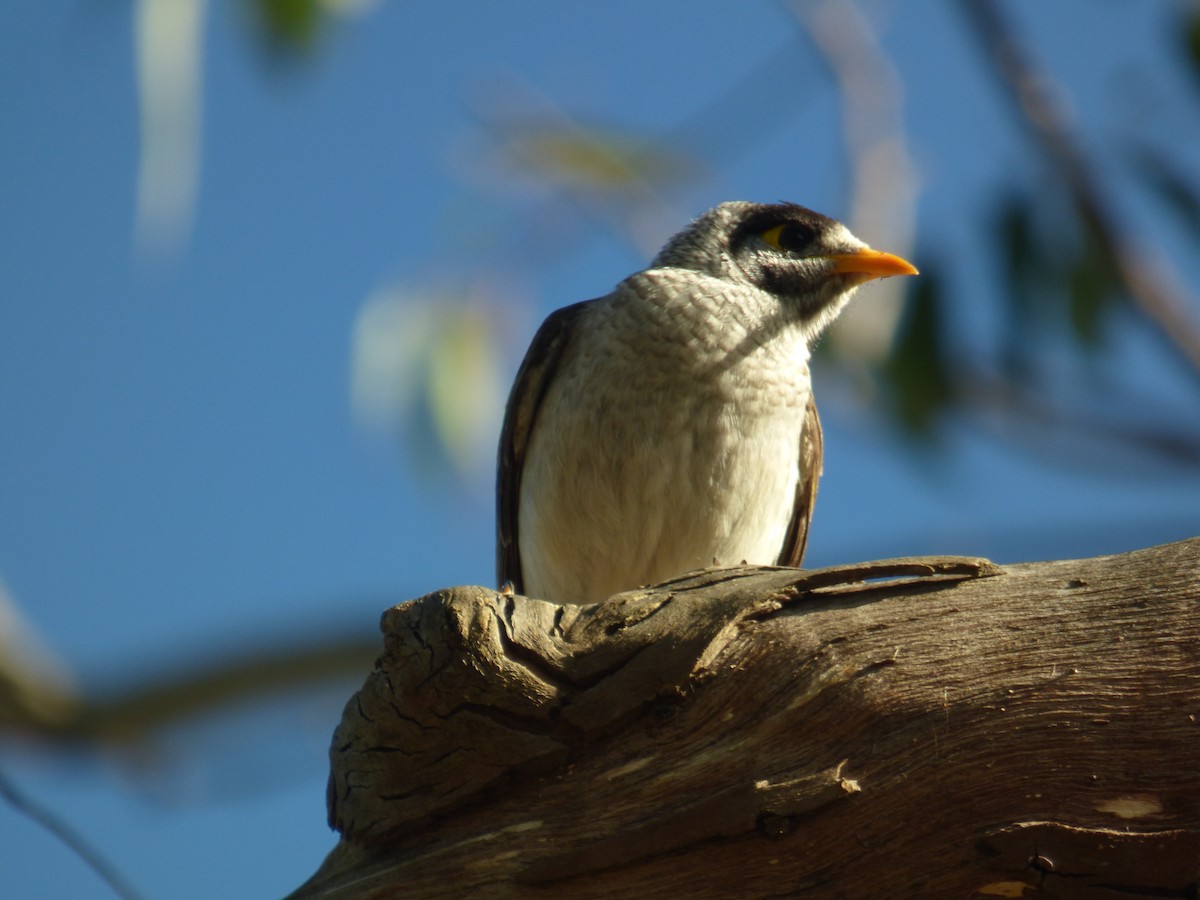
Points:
x=181 y=474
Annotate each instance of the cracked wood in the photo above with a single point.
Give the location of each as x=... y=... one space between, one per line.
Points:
x=922 y=727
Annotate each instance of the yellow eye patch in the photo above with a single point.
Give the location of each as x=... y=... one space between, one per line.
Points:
x=771 y=236
x=789 y=237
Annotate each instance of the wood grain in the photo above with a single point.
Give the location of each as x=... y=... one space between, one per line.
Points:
x=911 y=728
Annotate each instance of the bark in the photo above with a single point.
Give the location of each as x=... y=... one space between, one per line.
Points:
x=912 y=728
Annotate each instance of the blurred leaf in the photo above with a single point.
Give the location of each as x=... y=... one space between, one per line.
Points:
x=1025 y=272
x=1057 y=273
x=290 y=25
x=169 y=41
x=1093 y=288
x=291 y=28
x=1029 y=266
x=425 y=366
x=36 y=686
x=1191 y=32
x=464 y=389
x=593 y=159
x=917 y=371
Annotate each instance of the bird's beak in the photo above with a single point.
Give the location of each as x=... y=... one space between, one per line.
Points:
x=867 y=264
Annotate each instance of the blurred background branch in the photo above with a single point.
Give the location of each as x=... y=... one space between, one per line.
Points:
x=883 y=180
x=1146 y=274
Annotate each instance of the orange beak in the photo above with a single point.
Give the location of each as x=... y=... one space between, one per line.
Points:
x=867 y=264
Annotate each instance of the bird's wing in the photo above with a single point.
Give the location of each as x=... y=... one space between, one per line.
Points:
x=537 y=370
x=812 y=452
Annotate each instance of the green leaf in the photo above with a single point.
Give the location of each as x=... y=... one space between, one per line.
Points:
x=917 y=370
x=426 y=365
x=1093 y=289
x=290 y=25
x=1026 y=272
x=1191 y=33
x=594 y=159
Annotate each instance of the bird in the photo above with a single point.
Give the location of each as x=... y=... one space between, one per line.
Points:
x=670 y=425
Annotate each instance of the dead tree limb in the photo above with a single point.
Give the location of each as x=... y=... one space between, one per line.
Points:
x=924 y=727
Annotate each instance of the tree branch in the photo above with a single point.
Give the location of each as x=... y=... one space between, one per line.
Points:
x=942 y=726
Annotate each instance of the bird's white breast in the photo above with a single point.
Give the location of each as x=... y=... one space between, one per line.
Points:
x=669 y=438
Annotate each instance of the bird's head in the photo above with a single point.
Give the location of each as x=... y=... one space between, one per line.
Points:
x=810 y=262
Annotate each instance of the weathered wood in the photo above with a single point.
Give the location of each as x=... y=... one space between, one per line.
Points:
x=930 y=727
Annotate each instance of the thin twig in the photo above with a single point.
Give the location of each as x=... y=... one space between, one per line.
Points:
x=69 y=837
x=990 y=400
x=159 y=700
x=1147 y=275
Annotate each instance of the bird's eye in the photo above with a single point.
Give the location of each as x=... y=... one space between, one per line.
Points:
x=790 y=237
